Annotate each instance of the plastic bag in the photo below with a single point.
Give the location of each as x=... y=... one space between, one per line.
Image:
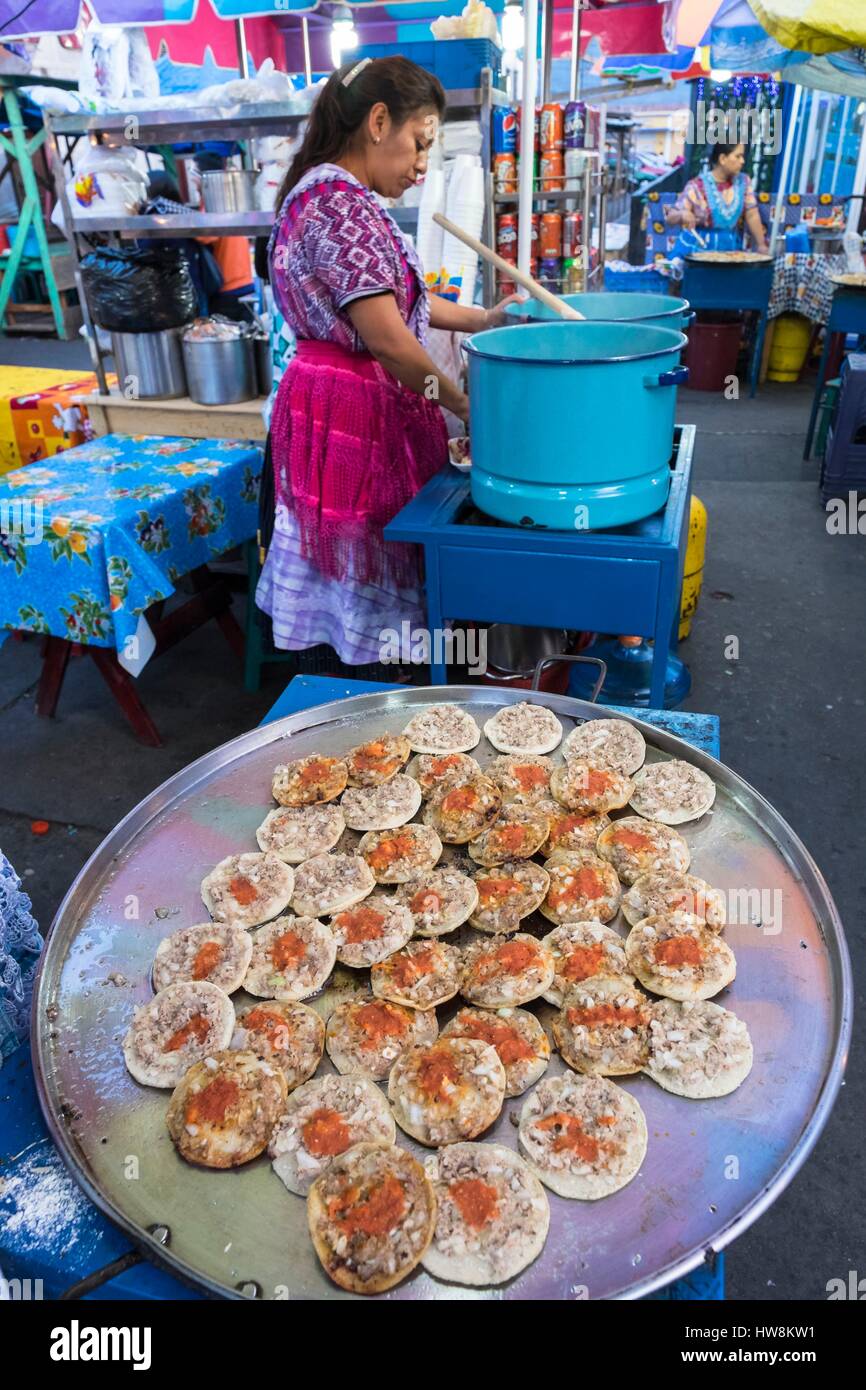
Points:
x=104 y=74
x=139 y=291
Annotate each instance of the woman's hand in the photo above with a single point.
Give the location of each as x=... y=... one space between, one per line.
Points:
x=497 y=316
x=688 y=219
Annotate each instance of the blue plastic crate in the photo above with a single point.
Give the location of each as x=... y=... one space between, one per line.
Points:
x=456 y=62
x=638 y=278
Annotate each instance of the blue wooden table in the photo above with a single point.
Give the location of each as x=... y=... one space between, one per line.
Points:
x=847 y=315
x=733 y=287
x=48 y=1228
x=623 y=581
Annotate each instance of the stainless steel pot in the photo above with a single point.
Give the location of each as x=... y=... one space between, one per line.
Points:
x=229 y=190
x=264 y=365
x=825 y=241
x=516 y=651
x=220 y=371
x=150 y=365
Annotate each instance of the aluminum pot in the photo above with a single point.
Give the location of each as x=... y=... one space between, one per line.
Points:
x=514 y=652
x=229 y=190
x=150 y=365
x=825 y=241
x=220 y=371
x=264 y=365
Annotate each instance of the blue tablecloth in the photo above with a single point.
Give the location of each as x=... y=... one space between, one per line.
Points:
x=90 y=540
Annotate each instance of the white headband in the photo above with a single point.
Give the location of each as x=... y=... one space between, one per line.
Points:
x=358 y=68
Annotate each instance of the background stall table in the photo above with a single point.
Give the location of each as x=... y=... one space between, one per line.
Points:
x=626 y=580
x=803 y=284
x=732 y=287
x=39 y=413
x=101 y=534
x=48 y=1228
x=847 y=315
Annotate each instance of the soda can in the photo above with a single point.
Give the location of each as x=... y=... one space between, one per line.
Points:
x=552 y=127
x=572 y=276
x=572 y=226
x=505 y=173
x=552 y=171
x=504 y=130
x=536 y=144
x=506 y=236
x=550 y=239
x=574 y=167
x=504 y=287
x=550 y=273
x=575 y=125
x=535 y=241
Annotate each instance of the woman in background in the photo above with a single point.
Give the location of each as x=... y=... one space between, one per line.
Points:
x=719 y=203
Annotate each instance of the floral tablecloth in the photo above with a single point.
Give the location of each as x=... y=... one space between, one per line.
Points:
x=89 y=542
x=803 y=284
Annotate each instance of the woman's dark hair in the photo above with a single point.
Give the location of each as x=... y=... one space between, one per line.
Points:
x=719 y=150
x=342 y=107
x=160 y=184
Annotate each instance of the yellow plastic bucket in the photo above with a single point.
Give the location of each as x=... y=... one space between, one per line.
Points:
x=791 y=337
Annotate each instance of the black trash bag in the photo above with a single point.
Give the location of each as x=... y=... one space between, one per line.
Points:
x=137 y=290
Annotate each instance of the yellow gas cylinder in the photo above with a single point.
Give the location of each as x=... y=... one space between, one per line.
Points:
x=693 y=577
x=792 y=335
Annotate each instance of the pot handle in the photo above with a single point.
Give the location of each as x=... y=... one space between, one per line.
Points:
x=565 y=656
x=678 y=377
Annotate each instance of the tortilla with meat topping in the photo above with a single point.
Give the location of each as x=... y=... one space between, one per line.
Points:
x=602 y=1027
x=308 y=780
x=371 y=931
x=581 y=951
x=592 y=791
x=611 y=743
x=492 y=1214
x=371 y=1216
x=519 y=1039
x=289 y=1036
x=569 y=829
x=524 y=779
x=296 y=833
x=697 y=1048
x=460 y=811
x=506 y=973
x=371 y=764
x=448 y=1091
x=245 y=890
x=635 y=846
x=218 y=954
x=524 y=728
x=442 y=729
x=672 y=792
x=367 y=1035
x=432 y=770
x=292 y=958
x=329 y=883
x=221 y=1114
x=583 y=1136
x=395 y=856
x=519 y=832
x=676 y=955
x=440 y=900
x=664 y=893
x=322 y=1119
x=582 y=888
x=423 y=975
x=382 y=807
x=179 y=1026
x=507 y=894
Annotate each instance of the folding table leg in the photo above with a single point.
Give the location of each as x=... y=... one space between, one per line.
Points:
x=819 y=387
x=757 y=354
x=202 y=580
x=55 y=655
x=122 y=687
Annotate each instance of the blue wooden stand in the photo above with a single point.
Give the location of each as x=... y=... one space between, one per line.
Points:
x=708 y=286
x=60 y=1260
x=626 y=580
x=847 y=315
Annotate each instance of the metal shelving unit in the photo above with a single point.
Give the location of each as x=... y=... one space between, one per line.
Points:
x=144 y=129
x=586 y=195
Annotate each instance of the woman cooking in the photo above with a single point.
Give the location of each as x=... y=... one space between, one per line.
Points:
x=356 y=427
x=719 y=202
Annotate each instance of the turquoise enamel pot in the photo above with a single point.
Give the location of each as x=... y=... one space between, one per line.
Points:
x=661 y=310
x=571 y=423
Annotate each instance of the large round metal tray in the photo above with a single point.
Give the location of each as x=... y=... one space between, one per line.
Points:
x=712 y=1166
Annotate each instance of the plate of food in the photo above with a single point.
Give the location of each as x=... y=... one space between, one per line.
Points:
x=730 y=257
x=410 y=1063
